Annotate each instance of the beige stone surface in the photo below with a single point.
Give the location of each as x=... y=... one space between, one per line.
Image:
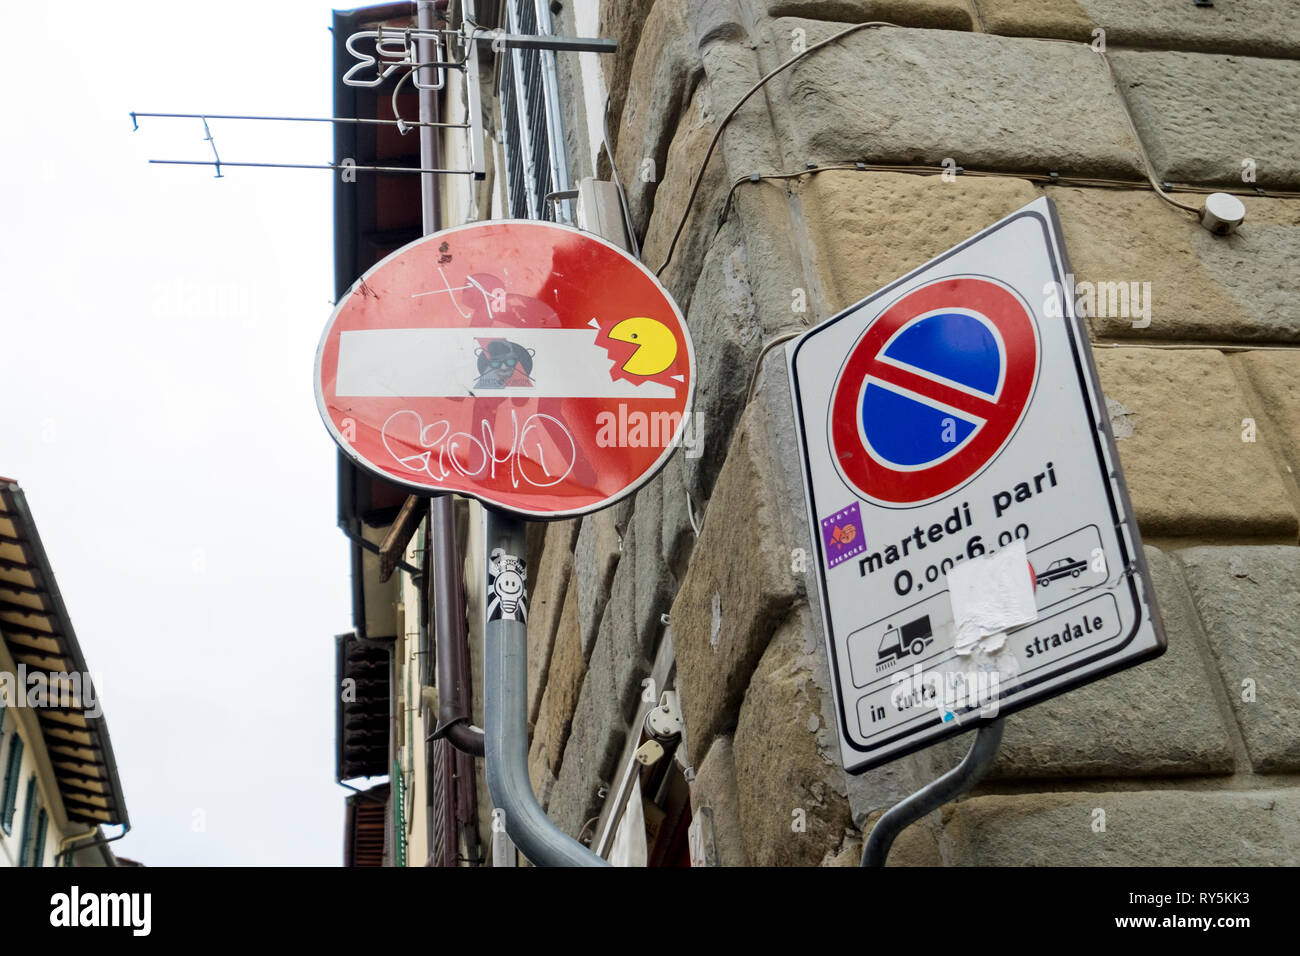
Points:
x=1249 y=602
x=1240 y=287
x=624 y=22
x=715 y=787
x=728 y=338
x=597 y=732
x=939 y=14
x=872 y=228
x=1258 y=28
x=1142 y=828
x=792 y=803
x=1201 y=114
x=737 y=587
x=917 y=845
x=1062 y=19
x=1276 y=379
x=1264 y=28
x=596 y=553
x=563 y=683
x=920 y=96
x=1160 y=718
x=552 y=571
x=654 y=587
x=848 y=853
x=685 y=157
x=677 y=536
x=664 y=73
x=1188 y=471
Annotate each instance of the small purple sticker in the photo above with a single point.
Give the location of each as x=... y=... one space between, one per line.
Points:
x=843 y=535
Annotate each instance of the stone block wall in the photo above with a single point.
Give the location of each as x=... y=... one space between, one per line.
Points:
x=1192 y=758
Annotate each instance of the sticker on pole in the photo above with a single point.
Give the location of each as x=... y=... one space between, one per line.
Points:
x=535 y=367
x=977 y=551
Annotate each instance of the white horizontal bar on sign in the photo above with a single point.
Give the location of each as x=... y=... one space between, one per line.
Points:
x=444 y=363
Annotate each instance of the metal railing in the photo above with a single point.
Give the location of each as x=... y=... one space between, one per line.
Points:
x=532 y=123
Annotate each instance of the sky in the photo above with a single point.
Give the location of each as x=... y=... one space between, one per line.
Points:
x=157 y=407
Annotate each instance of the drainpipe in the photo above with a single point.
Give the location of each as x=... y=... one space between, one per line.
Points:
x=454 y=720
x=428 y=18
x=505 y=701
x=450 y=638
x=100 y=841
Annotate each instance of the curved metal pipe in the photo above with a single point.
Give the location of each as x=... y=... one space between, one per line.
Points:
x=99 y=841
x=505 y=712
x=454 y=715
x=933 y=795
x=464 y=736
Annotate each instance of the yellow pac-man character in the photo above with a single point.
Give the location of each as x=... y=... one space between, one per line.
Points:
x=656 y=345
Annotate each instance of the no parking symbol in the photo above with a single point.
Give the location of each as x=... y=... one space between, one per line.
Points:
x=933 y=390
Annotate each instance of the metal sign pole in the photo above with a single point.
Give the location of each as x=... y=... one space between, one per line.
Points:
x=933 y=795
x=505 y=700
x=668 y=369
x=446 y=581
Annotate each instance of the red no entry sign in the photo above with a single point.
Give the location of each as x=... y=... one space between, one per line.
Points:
x=933 y=390
x=529 y=365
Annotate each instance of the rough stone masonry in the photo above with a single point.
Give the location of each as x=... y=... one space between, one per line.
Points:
x=1015 y=94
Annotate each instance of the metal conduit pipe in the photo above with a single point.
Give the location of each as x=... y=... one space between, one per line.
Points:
x=454 y=720
x=505 y=711
x=446 y=580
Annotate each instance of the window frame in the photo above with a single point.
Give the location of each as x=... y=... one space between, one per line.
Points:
x=41 y=837
x=532 y=120
x=13 y=770
x=30 y=804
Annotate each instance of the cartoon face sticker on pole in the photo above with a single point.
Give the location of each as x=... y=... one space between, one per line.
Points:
x=491 y=360
x=507 y=577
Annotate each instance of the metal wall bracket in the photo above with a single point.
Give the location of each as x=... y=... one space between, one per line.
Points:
x=933 y=795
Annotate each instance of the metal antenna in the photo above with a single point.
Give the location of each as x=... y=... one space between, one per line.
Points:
x=207 y=134
x=296 y=119
x=422 y=56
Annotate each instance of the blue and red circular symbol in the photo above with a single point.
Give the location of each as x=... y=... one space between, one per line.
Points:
x=933 y=390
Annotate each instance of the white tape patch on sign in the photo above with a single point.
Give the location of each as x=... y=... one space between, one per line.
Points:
x=990 y=596
x=452 y=363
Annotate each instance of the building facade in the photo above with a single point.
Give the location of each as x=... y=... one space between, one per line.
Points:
x=58 y=778
x=773 y=179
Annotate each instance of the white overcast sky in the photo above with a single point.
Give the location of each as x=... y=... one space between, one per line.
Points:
x=156 y=405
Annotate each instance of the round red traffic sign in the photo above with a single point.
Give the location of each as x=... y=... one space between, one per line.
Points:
x=933 y=390
x=530 y=365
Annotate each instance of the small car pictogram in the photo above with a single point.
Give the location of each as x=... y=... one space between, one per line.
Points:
x=1061 y=568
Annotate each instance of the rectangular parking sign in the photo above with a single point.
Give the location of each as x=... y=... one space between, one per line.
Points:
x=977 y=550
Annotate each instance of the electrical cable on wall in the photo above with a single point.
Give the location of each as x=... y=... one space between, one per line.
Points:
x=722 y=124
x=1148 y=169
x=618 y=181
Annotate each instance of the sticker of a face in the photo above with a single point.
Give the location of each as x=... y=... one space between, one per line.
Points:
x=509 y=586
x=507 y=582
x=502 y=364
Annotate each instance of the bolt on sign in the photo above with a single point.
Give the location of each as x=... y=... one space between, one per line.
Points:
x=535 y=367
x=977 y=547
